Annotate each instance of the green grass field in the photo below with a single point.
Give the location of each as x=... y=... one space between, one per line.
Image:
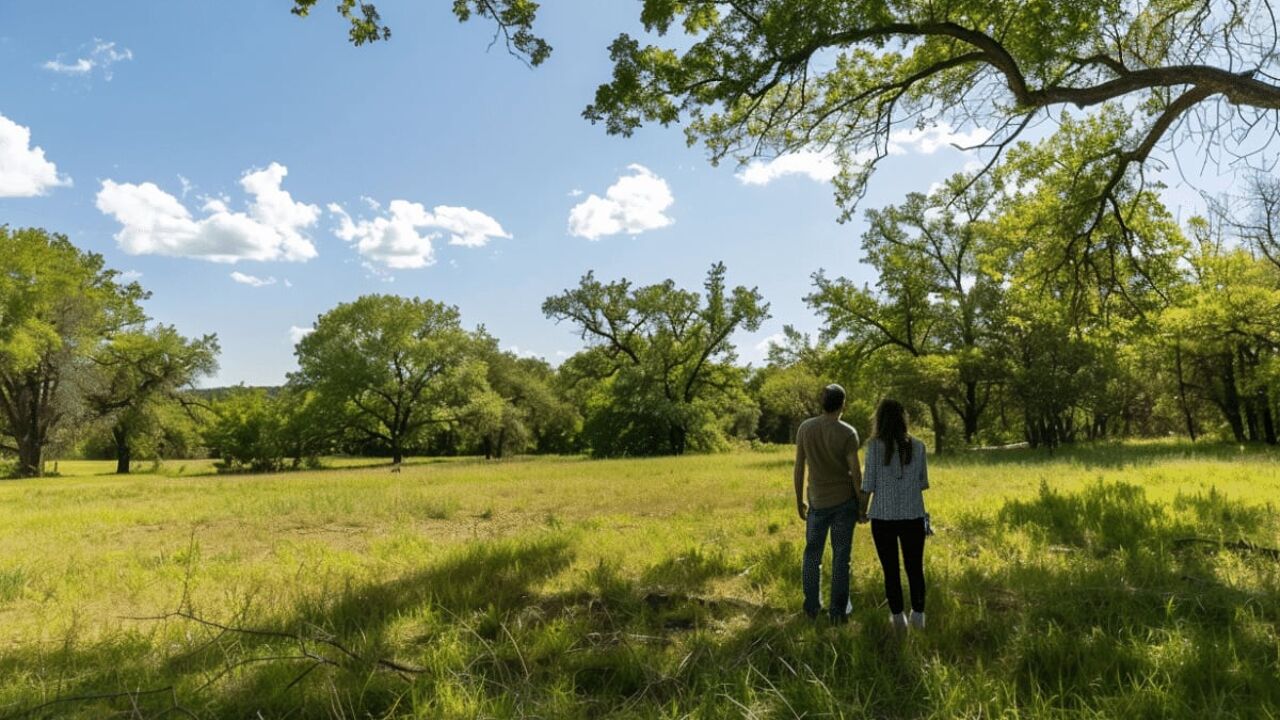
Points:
x=1061 y=586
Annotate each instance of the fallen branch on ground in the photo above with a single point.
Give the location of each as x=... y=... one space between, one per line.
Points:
x=301 y=638
x=133 y=695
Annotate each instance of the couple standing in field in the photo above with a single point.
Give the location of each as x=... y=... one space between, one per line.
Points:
x=890 y=493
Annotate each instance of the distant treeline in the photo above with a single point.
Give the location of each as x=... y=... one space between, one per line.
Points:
x=999 y=315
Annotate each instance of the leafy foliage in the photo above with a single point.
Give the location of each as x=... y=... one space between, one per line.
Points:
x=399 y=365
x=58 y=306
x=660 y=361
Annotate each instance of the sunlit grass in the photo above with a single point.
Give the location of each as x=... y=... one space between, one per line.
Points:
x=560 y=587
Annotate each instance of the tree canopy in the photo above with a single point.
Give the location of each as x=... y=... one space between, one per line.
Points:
x=768 y=77
x=399 y=365
x=142 y=369
x=664 y=355
x=58 y=306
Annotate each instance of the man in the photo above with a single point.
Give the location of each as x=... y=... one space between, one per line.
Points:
x=829 y=448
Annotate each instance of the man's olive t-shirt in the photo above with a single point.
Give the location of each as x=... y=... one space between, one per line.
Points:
x=827 y=444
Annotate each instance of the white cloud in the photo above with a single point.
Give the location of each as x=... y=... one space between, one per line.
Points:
x=129 y=276
x=79 y=67
x=403 y=238
x=515 y=350
x=23 y=170
x=100 y=56
x=775 y=339
x=575 y=193
x=467 y=227
x=817 y=166
x=156 y=223
x=822 y=166
x=186 y=185
x=632 y=205
x=252 y=280
x=297 y=333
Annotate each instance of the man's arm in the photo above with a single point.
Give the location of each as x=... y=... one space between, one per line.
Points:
x=855 y=472
x=801 y=508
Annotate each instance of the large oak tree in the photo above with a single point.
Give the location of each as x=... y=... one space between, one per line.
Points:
x=665 y=352
x=58 y=306
x=400 y=365
x=769 y=77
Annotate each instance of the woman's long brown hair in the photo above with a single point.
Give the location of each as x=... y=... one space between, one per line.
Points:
x=891 y=427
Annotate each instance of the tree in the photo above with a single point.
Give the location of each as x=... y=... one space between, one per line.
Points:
x=1228 y=323
x=662 y=357
x=141 y=369
x=245 y=431
x=400 y=364
x=58 y=305
x=513 y=18
x=768 y=77
x=935 y=299
x=527 y=412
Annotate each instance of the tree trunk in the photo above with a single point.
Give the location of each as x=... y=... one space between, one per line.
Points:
x=677 y=436
x=30 y=456
x=396 y=454
x=1231 y=398
x=1264 y=413
x=124 y=453
x=939 y=430
x=970 y=412
x=1182 y=393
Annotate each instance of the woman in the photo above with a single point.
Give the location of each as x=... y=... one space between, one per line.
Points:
x=896 y=476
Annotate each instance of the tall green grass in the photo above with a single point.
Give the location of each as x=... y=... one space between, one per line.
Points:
x=1100 y=582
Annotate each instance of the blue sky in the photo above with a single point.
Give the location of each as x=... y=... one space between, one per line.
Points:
x=155 y=119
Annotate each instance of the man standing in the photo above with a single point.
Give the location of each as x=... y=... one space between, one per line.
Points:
x=829 y=448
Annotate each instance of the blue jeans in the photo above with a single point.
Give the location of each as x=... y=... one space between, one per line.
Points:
x=839 y=520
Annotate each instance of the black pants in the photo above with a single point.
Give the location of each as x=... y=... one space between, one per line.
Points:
x=888 y=534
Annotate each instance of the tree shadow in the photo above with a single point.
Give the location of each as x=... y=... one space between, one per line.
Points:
x=1093 y=608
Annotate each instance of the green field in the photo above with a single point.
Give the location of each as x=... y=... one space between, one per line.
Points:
x=1064 y=586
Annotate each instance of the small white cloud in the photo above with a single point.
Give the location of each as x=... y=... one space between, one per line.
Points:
x=24 y=172
x=252 y=280
x=287 y=283
x=467 y=227
x=575 y=193
x=775 y=339
x=933 y=138
x=515 y=350
x=80 y=67
x=186 y=185
x=403 y=238
x=822 y=166
x=99 y=56
x=156 y=223
x=817 y=166
x=129 y=276
x=297 y=333
x=632 y=205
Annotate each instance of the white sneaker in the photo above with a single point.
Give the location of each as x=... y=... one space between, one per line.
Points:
x=899 y=622
x=917 y=620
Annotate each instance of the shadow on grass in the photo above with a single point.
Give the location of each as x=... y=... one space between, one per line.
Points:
x=1093 y=609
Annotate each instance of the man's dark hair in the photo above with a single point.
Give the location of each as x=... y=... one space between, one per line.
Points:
x=832 y=398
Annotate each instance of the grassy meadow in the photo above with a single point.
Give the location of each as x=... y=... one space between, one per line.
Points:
x=1098 y=582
